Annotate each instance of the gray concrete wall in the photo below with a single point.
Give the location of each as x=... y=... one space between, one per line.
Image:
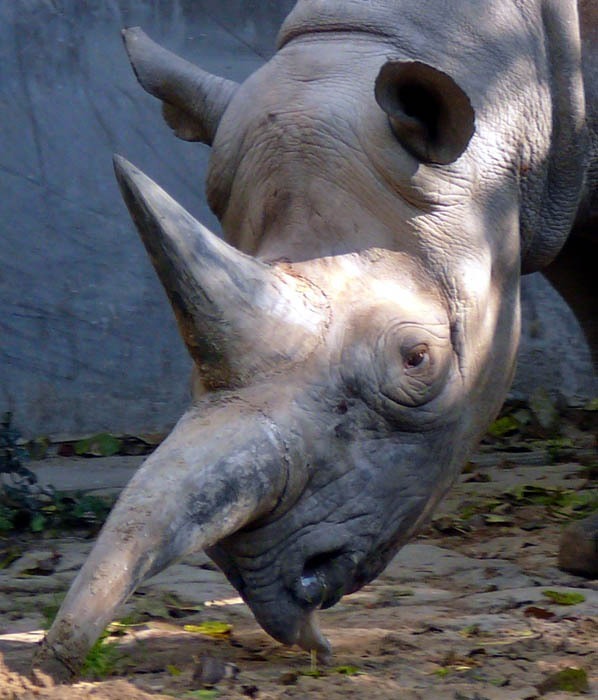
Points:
x=87 y=340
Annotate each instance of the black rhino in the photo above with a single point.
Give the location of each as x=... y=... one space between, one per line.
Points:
x=382 y=183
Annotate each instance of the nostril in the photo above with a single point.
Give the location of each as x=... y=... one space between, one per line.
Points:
x=322 y=581
x=312 y=587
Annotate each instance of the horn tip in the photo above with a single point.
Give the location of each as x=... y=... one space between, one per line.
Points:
x=130 y=181
x=131 y=33
x=122 y=167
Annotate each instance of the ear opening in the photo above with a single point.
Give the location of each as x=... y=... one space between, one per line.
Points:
x=430 y=115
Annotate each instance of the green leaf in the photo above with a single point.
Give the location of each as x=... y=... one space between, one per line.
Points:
x=569 y=680
x=202 y=694
x=497 y=519
x=348 y=670
x=100 y=445
x=211 y=628
x=38 y=522
x=312 y=672
x=101 y=659
x=173 y=670
x=507 y=425
x=564 y=597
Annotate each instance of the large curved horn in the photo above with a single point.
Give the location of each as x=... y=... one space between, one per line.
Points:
x=194 y=100
x=237 y=315
x=222 y=467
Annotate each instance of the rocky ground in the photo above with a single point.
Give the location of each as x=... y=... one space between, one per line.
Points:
x=475 y=608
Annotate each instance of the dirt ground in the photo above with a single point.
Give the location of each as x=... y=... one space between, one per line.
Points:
x=460 y=613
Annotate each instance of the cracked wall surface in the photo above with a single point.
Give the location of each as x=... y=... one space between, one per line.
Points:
x=87 y=339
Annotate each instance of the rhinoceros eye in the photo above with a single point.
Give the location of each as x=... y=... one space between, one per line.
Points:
x=416 y=357
x=419 y=372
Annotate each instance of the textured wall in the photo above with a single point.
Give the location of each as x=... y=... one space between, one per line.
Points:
x=87 y=340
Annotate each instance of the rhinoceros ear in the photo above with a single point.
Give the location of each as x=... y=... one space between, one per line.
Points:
x=429 y=113
x=193 y=100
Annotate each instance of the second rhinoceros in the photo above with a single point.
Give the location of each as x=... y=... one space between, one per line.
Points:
x=382 y=182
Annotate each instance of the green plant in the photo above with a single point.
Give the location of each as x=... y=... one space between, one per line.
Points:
x=564 y=597
x=102 y=658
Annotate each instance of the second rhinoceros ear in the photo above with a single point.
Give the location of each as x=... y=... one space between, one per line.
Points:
x=429 y=113
x=193 y=100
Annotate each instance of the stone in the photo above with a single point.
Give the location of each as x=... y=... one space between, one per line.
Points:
x=578 y=551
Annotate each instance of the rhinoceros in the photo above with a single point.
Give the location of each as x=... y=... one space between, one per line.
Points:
x=382 y=183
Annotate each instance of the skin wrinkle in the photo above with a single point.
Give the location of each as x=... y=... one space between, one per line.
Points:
x=323 y=491
x=305 y=529
x=375 y=207
x=340 y=32
x=263 y=561
x=287 y=122
x=307 y=494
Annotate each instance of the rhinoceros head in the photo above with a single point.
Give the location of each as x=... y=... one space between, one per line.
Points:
x=352 y=354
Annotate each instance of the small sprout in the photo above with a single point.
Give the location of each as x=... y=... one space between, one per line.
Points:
x=313 y=671
x=173 y=670
x=564 y=597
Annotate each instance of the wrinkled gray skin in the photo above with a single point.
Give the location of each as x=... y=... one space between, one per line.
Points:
x=387 y=175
